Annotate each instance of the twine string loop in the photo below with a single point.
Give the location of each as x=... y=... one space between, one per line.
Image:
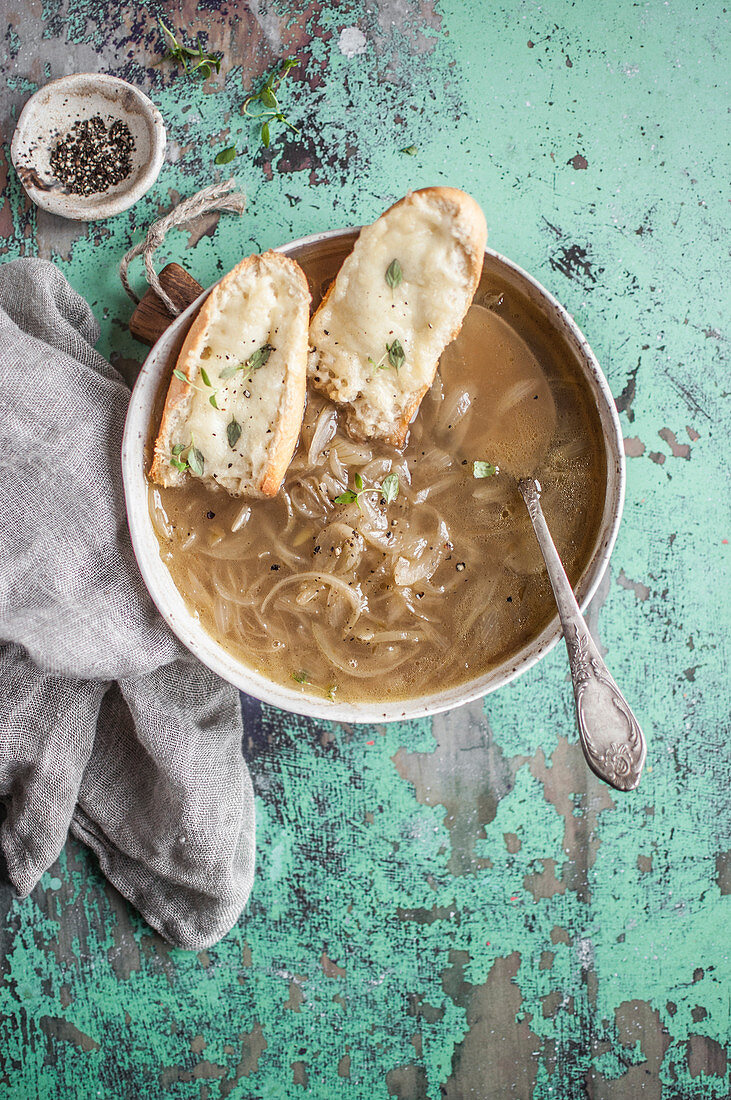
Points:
x=218 y=196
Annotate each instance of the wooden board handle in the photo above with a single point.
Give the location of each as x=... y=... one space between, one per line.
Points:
x=151 y=317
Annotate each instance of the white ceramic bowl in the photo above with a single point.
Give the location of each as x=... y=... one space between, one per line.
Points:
x=49 y=115
x=322 y=254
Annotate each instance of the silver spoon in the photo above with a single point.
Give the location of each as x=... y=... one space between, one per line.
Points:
x=611 y=738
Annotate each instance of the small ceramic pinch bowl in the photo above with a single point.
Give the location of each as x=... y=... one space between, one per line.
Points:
x=321 y=257
x=49 y=116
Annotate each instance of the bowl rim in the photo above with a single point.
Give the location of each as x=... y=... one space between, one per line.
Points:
x=170 y=602
x=90 y=207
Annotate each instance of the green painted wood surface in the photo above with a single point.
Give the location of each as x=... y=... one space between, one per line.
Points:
x=457 y=907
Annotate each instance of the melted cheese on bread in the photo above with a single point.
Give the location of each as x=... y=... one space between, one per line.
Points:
x=262 y=304
x=438 y=236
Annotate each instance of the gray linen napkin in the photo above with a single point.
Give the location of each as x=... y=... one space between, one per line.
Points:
x=108 y=726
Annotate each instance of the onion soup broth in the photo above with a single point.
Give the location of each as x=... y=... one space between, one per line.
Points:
x=368 y=600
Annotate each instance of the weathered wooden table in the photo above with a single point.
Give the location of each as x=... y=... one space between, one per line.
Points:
x=453 y=907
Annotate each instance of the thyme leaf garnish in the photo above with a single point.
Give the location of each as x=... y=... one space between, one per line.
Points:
x=256 y=360
x=180 y=464
x=230 y=371
x=195 y=460
x=395 y=355
x=484 y=469
x=394 y=274
x=259 y=357
x=388 y=489
x=206 y=381
x=233 y=431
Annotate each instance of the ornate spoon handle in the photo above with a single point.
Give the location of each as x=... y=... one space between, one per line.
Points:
x=611 y=738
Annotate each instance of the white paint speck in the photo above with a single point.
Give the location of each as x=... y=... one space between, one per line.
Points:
x=585 y=951
x=351 y=41
x=173 y=152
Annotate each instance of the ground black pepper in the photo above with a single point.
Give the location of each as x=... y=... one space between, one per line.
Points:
x=90 y=158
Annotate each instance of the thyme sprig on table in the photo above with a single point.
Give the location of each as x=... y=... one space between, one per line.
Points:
x=270 y=109
x=195 y=62
x=267 y=97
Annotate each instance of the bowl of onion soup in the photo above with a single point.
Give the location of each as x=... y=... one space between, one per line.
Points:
x=383 y=584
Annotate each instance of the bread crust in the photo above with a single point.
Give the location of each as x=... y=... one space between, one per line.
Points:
x=473 y=242
x=286 y=427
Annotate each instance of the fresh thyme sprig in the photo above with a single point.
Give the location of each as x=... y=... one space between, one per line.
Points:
x=194 y=460
x=394 y=353
x=194 y=61
x=256 y=360
x=388 y=489
x=176 y=461
x=267 y=97
x=271 y=111
x=206 y=380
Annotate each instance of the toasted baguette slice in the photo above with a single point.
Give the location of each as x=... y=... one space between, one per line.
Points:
x=247 y=442
x=438 y=236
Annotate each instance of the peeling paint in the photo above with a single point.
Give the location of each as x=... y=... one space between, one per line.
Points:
x=679 y=450
x=634 y=447
x=640 y=589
